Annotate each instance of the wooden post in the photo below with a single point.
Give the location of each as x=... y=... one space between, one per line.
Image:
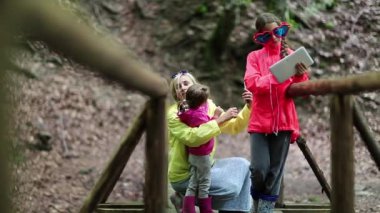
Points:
x=6 y=110
x=342 y=156
x=111 y=174
x=155 y=190
x=5 y=140
x=366 y=134
x=314 y=166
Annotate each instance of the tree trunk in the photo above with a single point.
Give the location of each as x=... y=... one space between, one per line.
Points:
x=216 y=46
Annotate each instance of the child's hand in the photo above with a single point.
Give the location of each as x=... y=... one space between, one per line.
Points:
x=218 y=112
x=301 y=69
x=229 y=114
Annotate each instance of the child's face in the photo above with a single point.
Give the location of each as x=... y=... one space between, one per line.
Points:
x=184 y=83
x=269 y=27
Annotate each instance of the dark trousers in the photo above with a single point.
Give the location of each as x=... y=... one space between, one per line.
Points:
x=268 y=156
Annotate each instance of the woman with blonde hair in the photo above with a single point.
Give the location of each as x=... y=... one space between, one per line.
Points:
x=230 y=177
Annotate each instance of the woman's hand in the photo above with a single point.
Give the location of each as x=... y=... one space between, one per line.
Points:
x=229 y=114
x=247 y=97
x=301 y=69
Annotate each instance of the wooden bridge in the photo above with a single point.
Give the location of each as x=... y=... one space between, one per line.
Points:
x=59 y=29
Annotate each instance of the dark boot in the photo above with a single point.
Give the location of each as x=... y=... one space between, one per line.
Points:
x=205 y=205
x=188 y=204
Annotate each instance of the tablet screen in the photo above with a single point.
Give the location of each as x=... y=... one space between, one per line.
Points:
x=285 y=68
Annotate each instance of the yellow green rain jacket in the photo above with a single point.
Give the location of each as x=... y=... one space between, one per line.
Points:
x=180 y=135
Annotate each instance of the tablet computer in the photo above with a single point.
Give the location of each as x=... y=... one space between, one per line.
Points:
x=285 y=68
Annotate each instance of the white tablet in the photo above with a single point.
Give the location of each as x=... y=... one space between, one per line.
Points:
x=285 y=68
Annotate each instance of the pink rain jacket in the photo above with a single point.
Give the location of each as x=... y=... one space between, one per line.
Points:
x=194 y=118
x=272 y=111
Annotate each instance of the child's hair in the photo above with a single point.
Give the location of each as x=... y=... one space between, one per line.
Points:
x=196 y=95
x=267 y=18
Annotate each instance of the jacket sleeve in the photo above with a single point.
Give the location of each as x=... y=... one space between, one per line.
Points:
x=237 y=124
x=297 y=79
x=191 y=136
x=254 y=81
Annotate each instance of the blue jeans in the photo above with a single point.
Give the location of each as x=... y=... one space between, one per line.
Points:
x=230 y=185
x=268 y=156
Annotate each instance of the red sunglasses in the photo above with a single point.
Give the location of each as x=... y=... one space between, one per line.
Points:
x=280 y=32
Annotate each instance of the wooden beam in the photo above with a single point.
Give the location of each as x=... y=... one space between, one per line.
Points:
x=342 y=154
x=314 y=166
x=62 y=31
x=369 y=81
x=5 y=138
x=155 y=190
x=366 y=134
x=115 y=167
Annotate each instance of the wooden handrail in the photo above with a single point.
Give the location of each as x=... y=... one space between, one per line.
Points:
x=112 y=172
x=61 y=30
x=5 y=144
x=314 y=166
x=366 y=134
x=352 y=84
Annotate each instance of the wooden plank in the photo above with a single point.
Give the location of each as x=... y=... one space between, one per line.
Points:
x=122 y=210
x=6 y=109
x=115 y=167
x=368 y=81
x=155 y=190
x=301 y=142
x=307 y=205
x=60 y=29
x=302 y=210
x=122 y=205
x=342 y=155
x=366 y=134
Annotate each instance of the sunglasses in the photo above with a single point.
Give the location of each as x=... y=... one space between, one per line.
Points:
x=280 y=32
x=182 y=72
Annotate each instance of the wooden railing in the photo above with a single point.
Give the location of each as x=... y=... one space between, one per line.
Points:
x=344 y=115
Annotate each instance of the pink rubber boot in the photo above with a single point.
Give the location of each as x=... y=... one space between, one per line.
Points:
x=205 y=205
x=188 y=204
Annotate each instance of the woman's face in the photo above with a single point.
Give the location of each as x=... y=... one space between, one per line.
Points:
x=269 y=27
x=184 y=82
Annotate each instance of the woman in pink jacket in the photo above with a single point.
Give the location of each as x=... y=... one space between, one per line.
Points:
x=273 y=123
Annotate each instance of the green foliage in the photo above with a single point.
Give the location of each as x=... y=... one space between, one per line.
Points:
x=329 y=25
x=17 y=155
x=236 y=3
x=327 y=4
x=314 y=199
x=201 y=9
x=320 y=5
x=290 y=19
